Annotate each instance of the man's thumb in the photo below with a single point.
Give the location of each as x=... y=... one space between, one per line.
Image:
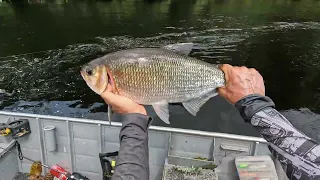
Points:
x=226 y=69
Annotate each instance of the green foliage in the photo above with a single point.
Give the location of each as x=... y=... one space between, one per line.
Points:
x=187 y=170
x=209 y=166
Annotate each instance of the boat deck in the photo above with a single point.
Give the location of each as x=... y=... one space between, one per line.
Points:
x=78 y=143
x=21 y=176
x=170 y=173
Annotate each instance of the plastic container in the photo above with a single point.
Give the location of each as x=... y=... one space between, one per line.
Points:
x=50 y=138
x=58 y=172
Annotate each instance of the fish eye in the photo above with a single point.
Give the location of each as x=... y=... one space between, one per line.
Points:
x=89 y=71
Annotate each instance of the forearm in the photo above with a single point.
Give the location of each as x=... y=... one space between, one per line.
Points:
x=133 y=158
x=298 y=154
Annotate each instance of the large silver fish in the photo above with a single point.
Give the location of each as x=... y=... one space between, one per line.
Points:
x=156 y=76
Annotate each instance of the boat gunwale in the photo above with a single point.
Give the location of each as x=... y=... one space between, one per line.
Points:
x=154 y=128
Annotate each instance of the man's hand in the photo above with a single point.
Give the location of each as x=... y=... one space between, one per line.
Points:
x=241 y=82
x=121 y=104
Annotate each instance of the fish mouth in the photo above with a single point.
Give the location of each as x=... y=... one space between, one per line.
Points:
x=84 y=76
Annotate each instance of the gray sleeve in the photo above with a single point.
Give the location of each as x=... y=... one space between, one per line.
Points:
x=133 y=157
x=298 y=154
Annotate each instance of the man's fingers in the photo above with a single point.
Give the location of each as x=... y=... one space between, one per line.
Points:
x=255 y=74
x=108 y=97
x=226 y=69
x=109 y=88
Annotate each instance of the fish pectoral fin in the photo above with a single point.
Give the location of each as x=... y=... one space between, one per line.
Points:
x=180 y=48
x=162 y=110
x=193 y=105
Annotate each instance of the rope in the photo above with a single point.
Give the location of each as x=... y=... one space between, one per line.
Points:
x=19 y=151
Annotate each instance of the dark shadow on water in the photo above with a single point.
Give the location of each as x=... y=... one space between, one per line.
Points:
x=153 y=1
x=220 y=1
x=279 y=38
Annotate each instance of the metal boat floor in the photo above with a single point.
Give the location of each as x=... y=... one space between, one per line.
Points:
x=167 y=146
x=25 y=176
x=171 y=172
x=21 y=176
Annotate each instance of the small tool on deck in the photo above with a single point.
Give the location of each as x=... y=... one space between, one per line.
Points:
x=17 y=128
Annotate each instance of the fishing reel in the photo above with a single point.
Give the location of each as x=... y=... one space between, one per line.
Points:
x=76 y=176
x=108 y=163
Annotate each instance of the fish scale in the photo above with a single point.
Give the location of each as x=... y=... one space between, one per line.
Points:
x=158 y=76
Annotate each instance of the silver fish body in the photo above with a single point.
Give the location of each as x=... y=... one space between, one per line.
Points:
x=158 y=76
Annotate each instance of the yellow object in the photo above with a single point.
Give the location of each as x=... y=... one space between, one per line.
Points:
x=113 y=163
x=36 y=169
x=5 y=132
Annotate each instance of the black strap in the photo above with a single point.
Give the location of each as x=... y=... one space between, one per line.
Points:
x=19 y=151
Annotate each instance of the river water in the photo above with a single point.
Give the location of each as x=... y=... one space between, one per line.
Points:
x=44 y=43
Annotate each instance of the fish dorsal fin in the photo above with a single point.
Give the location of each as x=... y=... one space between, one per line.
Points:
x=162 y=110
x=193 y=105
x=180 y=48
